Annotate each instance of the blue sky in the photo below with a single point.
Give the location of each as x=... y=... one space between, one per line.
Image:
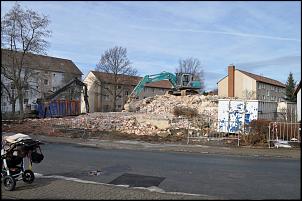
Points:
x=260 y=37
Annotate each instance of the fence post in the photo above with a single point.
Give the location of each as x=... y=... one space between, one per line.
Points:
x=269 y=135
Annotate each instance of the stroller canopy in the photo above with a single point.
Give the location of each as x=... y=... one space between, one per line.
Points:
x=16 y=138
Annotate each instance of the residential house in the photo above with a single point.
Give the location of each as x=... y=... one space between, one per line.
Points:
x=242 y=84
x=298 y=93
x=48 y=75
x=101 y=90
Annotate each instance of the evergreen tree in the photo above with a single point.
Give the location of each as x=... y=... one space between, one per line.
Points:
x=290 y=88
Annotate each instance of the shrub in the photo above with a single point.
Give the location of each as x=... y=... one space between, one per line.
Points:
x=258 y=133
x=185 y=111
x=259 y=126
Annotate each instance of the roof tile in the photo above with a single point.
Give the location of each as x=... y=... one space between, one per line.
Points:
x=263 y=79
x=41 y=62
x=130 y=80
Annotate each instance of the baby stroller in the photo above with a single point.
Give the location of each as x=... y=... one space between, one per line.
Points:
x=15 y=150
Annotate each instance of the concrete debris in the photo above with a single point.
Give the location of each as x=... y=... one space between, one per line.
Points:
x=152 y=116
x=95 y=173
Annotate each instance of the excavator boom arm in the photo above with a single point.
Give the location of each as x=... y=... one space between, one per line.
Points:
x=153 y=78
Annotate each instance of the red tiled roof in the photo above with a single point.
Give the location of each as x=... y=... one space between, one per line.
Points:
x=130 y=80
x=263 y=79
x=41 y=62
x=166 y=84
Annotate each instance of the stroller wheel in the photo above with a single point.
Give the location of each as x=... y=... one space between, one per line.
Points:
x=28 y=176
x=9 y=183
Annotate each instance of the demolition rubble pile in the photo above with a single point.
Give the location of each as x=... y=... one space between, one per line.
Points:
x=165 y=104
x=151 y=116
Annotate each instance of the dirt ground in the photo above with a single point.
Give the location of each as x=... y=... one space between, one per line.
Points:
x=48 y=129
x=46 y=132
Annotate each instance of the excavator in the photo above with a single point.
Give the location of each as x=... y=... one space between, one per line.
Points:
x=182 y=84
x=70 y=84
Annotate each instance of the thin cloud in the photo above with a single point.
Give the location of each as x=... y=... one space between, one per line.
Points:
x=219 y=32
x=280 y=61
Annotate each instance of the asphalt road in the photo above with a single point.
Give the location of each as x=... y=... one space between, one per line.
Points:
x=226 y=177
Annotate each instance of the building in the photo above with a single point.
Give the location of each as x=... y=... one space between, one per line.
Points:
x=48 y=74
x=298 y=93
x=101 y=90
x=242 y=84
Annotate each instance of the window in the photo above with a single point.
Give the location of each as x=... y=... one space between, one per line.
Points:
x=106 y=97
x=126 y=93
x=263 y=86
x=259 y=85
x=26 y=93
x=12 y=86
x=119 y=106
x=267 y=92
x=25 y=101
x=119 y=86
x=46 y=82
x=153 y=90
x=263 y=97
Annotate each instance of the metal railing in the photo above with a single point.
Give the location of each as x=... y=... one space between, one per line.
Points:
x=285 y=133
x=211 y=131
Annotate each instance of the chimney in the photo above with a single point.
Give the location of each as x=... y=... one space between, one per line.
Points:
x=231 y=80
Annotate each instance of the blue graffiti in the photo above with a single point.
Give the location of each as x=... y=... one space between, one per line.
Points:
x=247 y=118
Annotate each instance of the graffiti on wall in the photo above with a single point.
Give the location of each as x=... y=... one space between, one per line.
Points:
x=233 y=114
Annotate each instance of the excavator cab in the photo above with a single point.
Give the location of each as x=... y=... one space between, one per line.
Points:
x=186 y=80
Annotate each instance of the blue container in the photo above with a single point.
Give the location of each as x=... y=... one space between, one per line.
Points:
x=58 y=108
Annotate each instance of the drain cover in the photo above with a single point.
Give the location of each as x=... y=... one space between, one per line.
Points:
x=134 y=180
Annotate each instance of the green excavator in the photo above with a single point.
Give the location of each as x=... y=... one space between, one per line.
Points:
x=182 y=84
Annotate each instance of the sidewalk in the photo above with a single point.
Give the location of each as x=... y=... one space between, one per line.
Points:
x=44 y=188
x=294 y=153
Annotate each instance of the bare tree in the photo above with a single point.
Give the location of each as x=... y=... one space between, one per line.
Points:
x=10 y=92
x=116 y=62
x=192 y=66
x=248 y=94
x=22 y=32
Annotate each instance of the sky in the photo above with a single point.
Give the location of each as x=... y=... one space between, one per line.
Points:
x=263 y=38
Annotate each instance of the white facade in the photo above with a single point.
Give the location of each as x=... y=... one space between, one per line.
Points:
x=299 y=105
x=40 y=84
